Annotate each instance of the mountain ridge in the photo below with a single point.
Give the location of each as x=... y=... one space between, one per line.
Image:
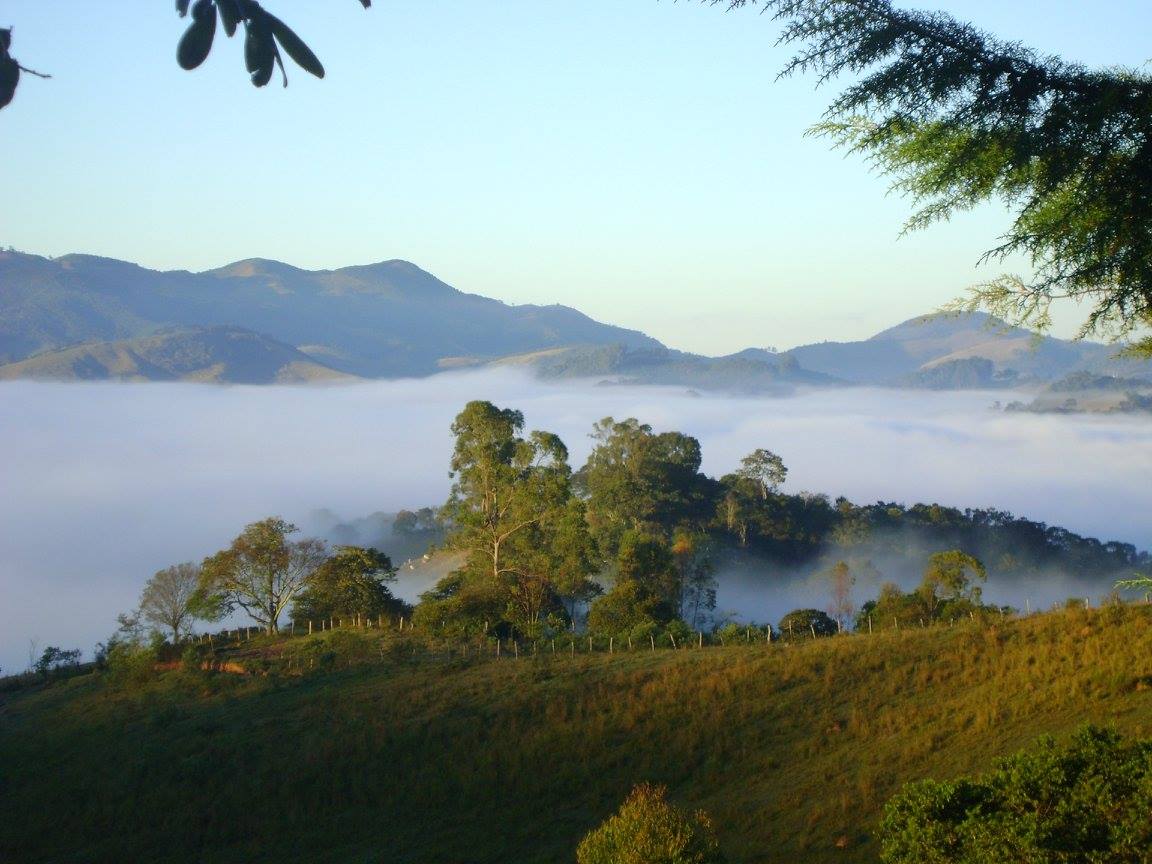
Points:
x=391 y=319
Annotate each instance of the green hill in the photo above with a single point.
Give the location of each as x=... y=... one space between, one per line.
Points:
x=353 y=746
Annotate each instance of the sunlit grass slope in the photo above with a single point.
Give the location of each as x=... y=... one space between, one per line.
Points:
x=408 y=758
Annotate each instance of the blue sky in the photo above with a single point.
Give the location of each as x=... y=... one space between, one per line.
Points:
x=632 y=158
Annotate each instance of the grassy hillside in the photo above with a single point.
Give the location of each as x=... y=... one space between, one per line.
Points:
x=357 y=747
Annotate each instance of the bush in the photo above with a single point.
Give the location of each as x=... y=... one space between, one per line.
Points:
x=1086 y=802
x=649 y=830
x=803 y=623
x=129 y=664
x=629 y=609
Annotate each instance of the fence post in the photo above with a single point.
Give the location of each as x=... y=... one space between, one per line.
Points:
x=589 y=644
x=869 y=625
x=611 y=644
x=652 y=639
x=700 y=639
x=812 y=627
x=673 y=638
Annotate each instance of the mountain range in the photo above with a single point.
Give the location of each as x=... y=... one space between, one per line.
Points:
x=82 y=317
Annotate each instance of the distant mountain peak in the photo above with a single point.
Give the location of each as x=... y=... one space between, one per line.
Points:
x=249 y=267
x=386 y=319
x=936 y=325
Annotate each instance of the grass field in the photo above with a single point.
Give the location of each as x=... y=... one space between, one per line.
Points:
x=384 y=752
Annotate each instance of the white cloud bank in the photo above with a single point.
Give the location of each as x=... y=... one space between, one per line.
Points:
x=104 y=484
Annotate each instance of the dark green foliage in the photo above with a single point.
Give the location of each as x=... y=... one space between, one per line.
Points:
x=646 y=559
x=638 y=479
x=629 y=610
x=54 y=659
x=512 y=515
x=945 y=594
x=959 y=117
x=462 y=604
x=1087 y=802
x=353 y=582
x=807 y=624
x=264 y=37
x=649 y=830
x=10 y=69
x=410 y=523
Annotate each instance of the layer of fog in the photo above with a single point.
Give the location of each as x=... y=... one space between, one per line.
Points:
x=104 y=484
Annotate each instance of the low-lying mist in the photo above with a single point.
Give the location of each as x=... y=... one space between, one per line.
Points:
x=104 y=483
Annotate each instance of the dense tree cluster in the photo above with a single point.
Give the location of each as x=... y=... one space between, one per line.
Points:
x=626 y=547
x=1085 y=801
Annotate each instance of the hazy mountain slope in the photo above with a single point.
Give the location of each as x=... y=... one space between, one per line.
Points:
x=208 y=354
x=381 y=320
x=747 y=371
x=907 y=352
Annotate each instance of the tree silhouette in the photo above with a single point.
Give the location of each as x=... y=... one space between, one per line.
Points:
x=265 y=37
x=959 y=117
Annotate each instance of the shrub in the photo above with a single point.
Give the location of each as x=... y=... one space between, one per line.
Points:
x=649 y=830
x=1085 y=802
x=129 y=664
x=804 y=623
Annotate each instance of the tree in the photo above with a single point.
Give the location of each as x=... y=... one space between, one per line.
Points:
x=803 y=623
x=958 y=117
x=262 y=571
x=1086 y=801
x=635 y=478
x=265 y=36
x=949 y=576
x=353 y=581
x=629 y=609
x=411 y=523
x=647 y=559
x=10 y=69
x=566 y=554
x=648 y=591
x=841 y=580
x=765 y=469
x=512 y=513
x=649 y=830
x=169 y=599
x=504 y=484
x=54 y=659
x=696 y=574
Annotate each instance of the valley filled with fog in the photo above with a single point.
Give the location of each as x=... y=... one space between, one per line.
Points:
x=105 y=484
